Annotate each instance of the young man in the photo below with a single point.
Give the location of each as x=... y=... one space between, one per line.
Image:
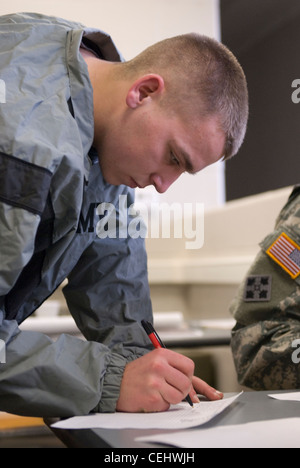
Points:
x=79 y=129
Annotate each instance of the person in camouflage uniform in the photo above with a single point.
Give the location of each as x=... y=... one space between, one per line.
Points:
x=267 y=309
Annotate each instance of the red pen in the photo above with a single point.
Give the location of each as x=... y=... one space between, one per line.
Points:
x=157 y=343
x=153 y=336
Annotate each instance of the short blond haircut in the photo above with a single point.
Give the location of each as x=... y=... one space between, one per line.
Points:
x=203 y=78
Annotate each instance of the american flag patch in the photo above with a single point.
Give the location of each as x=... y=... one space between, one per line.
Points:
x=286 y=253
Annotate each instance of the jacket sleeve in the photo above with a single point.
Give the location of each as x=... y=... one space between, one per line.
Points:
x=40 y=377
x=108 y=296
x=267 y=310
x=70 y=376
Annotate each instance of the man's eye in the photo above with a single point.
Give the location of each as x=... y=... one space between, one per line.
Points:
x=174 y=159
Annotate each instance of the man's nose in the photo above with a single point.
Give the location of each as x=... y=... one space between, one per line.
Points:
x=162 y=183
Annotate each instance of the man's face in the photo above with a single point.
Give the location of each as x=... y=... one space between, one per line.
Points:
x=149 y=147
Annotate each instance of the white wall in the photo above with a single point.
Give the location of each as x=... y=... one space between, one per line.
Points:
x=232 y=236
x=134 y=25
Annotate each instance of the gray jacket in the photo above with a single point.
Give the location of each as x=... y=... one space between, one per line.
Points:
x=50 y=188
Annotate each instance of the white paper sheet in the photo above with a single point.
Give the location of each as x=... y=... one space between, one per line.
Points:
x=280 y=433
x=180 y=416
x=293 y=396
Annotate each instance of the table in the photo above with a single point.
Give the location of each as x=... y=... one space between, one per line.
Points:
x=251 y=406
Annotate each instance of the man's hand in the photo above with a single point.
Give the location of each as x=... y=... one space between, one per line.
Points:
x=154 y=381
x=159 y=379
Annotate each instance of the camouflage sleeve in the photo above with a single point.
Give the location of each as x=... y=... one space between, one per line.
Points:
x=267 y=309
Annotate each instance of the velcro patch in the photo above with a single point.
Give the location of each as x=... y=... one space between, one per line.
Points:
x=258 y=288
x=286 y=253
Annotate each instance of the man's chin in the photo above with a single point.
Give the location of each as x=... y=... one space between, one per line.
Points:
x=112 y=181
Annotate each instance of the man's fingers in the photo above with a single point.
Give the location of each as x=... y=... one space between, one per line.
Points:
x=203 y=388
x=182 y=363
x=173 y=375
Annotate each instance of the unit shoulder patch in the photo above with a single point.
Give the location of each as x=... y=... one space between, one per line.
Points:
x=258 y=288
x=286 y=253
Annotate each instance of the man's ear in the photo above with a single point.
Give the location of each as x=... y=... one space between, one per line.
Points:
x=144 y=88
